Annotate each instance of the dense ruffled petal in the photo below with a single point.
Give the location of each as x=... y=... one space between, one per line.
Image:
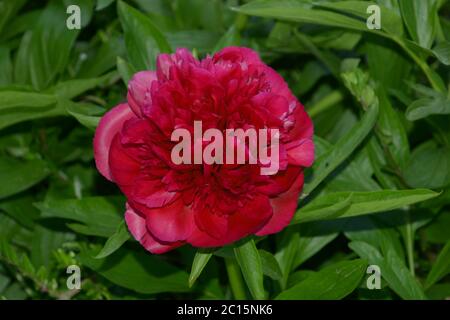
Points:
x=247 y=220
x=284 y=207
x=174 y=222
x=152 y=193
x=109 y=125
x=214 y=225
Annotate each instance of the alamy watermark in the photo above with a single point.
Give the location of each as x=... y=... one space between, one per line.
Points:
x=73 y=21
x=229 y=148
x=74 y=280
x=374 y=280
x=374 y=20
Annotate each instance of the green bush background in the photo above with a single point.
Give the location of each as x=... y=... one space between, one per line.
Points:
x=378 y=192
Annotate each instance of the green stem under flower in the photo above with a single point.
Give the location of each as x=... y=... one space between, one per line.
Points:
x=235 y=278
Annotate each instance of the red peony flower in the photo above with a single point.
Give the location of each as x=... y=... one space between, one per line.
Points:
x=205 y=205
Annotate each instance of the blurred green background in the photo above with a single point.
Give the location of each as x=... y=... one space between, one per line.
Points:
x=378 y=193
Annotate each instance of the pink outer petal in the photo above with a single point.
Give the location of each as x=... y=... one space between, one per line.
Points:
x=136 y=225
x=123 y=167
x=152 y=193
x=109 y=125
x=283 y=208
x=139 y=91
x=171 y=223
x=301 y=153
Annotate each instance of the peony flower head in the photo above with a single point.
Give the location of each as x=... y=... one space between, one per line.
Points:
x=206 y=205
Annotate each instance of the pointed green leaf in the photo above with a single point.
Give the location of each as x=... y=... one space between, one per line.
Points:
x=331 y=283
x=270 y=265
x=441 y=267
x=137 y=270
x=350 y=204
x=18 y=175
x=393 y=270
x=201 y=259
x=342 y=150
x=249 y=261
x=142 y=38
x=115 y=241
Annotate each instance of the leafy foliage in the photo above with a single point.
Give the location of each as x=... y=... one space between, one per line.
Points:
x=378 y=193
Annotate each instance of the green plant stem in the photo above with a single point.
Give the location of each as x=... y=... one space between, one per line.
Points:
x=409 y=242
x=326 y=102
x=235 y=278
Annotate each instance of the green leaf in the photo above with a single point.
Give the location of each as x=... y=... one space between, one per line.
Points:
x=72 y=88
x=270 y=265
x=389 y=68
x=391 y=22
x=230 y=38
x=44 y=50
x=103 y=57
x=350 y=204
x=115 y=241
x=355 y=175
x=143 y=40
x=326 y=163
x=6 y=66
x=437 y=231
x=9 y=9
x=420 y=19
x=138 y=271
x=382 y=234
x=393 y=270
x=19 y=175
x=8 y=117
x=439 y=291
x=102 y=4
x=442 y=52
x=14 y=99
x=286 y=255
x=200 y=40
x=300 y=11
x=249 y=261
x=331 y=283
x=313 y=238
x=18 y=106
x=98 y=216
x=441 y=267
x=44 y=242
x=201 y=259
x=125 y=70
x=321 y=208
x=429 y=167
x=425 y=107
x=86 y=113
x=21 y=209
x=392 y=132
